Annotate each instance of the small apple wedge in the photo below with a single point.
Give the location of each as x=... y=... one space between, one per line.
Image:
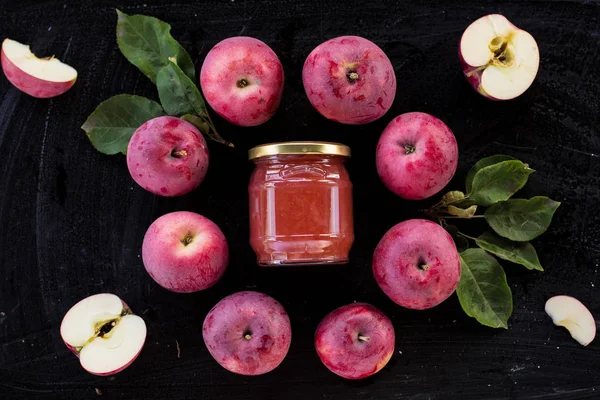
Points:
x=498 y=59
x=569 y=312
x=103 y=333
x=38 y=77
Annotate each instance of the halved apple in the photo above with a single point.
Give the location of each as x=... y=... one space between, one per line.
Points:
x=38 y=77
x=103 y=333
x=569 y=312
x=498 y=59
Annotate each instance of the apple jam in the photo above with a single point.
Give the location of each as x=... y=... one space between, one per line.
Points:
x=300 y=204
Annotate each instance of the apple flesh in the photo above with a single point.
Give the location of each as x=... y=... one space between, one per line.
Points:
x=38 y=77
x=167 y=156
x=242 y=80
x=248 y=333
x=355 y=341
x=569 y=312
x=349 y=79
x=416 y=156
x=416 y=264
x=498 y=59
x=185 y=252
x=102 y=331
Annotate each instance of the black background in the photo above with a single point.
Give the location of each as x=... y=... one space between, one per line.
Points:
x=72 y=220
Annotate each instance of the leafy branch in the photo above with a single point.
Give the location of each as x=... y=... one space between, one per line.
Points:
x=490 y=184
x=147 y=43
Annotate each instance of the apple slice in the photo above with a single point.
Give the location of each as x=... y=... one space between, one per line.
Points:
x=498 y=59
x=103 y=333
x=569 y=312
x=38 y=77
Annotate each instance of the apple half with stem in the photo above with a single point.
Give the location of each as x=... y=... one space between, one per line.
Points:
x=102 y=331
x=569 y=312
x=38 y=77
x=498 y=59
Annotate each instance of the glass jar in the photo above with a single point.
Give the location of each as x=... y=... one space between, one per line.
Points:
x=300 y=204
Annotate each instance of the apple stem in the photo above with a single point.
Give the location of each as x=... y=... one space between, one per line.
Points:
x=476 y=70
x=179 y=153
x=206 y=127
x=364 y=338
x=187 y=240
x=242 y=83
x=353 y=76
x=466 y=236
x=422 y=265
x=247 y=336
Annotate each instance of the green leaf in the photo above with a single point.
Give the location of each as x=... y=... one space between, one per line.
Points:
x=517 y=252
x=147 y=43
x=198 y=122
x=111 y=125
x=464 y=204
x=462 y=213
x=178 y=94
x=453 y=200
x=452 y=196
x=498 y=182
x=483 y=292
x=484 y=162
x=520 y=219
x=205 y=125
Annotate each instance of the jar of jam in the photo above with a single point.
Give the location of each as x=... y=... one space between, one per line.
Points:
x=300 y=204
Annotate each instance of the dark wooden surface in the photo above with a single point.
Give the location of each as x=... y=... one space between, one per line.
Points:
x=72 y=220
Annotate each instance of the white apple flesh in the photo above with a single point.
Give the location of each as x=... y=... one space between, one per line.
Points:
x=103 y=333
x=498 y=59
x=569 y=312
x=38 y=77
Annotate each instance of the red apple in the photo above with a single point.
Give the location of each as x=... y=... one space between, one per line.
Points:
x=248 y=333
x=349 y=79
x=242 y=80
x=38 y=77
x=416 y=264
x=102 y=331
x=167 y=156
x=416 y=156
x=185 y=252
x=355 y=341
x=498 y=59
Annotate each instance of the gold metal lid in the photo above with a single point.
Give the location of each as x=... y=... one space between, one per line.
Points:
x=272 y=149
